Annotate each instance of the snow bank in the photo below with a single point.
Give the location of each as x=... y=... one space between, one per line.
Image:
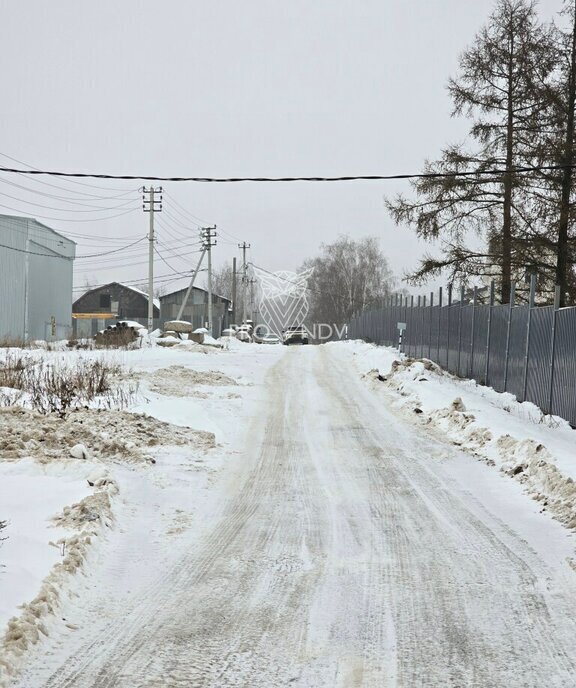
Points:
x=47 y=542
x=75 y=509
x=525 y=444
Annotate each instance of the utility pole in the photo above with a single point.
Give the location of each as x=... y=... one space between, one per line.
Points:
x=151 y=205
x=233 y=290
x=244 y=246
x=187 y=295
x=208 y=237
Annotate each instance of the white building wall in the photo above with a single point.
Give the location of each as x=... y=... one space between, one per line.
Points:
x=39 y=288
x=13 y=238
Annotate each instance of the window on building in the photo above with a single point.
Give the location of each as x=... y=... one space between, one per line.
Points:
x=105 y=301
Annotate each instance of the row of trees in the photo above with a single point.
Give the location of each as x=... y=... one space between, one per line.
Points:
x=517 y=86
x=347 y=277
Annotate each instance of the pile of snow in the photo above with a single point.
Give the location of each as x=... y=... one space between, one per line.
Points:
x=533 y=448
x=168 y=340
x=45 y=537
x=91 y=452
x=210 y=341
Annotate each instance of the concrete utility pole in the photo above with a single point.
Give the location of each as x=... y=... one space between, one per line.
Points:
x=209 y=234
x=234 y=290
x=244 y=246
x=193 y=278
x=151 y=205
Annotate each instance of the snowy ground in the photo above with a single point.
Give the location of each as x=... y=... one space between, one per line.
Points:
x=327 y=535
x=537 y=450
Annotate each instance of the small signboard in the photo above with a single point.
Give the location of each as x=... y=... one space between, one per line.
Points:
x=401 y=326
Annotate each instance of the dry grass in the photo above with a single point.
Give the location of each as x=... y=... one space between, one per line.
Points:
x=49 y=388
x=118 y=338
x=14 y=343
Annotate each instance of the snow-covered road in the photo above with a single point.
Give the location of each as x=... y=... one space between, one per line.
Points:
x=346 y=548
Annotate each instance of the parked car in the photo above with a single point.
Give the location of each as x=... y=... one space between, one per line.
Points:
x=295 y=335
x=244 y=333
x=270 y=339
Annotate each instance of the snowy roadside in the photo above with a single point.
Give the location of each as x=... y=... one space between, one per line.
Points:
x=517 y=438
x=151 y=462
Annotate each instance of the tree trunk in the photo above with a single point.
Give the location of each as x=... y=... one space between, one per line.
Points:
x=563 y=264
x=506 y=276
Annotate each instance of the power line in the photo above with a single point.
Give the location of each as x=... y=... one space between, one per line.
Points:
x=285 y=279
x=183 y=213
x=67 y=199
x=69 y=219
x=94 y=209
x=116 y=250
x=347 y=178
x=90 y=186
x=166 y=262
x=161 y=278
x=35 y=253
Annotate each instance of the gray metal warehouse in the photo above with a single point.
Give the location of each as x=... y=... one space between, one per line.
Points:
x=36 y=266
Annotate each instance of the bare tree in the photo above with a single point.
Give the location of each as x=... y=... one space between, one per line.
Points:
x=222 y=280
x=159 y=290
x=349 y=276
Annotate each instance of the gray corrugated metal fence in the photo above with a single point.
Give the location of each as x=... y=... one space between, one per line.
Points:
x=527 y=350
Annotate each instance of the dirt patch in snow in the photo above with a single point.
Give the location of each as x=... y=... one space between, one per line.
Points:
x=130 y=437
x=180 y=381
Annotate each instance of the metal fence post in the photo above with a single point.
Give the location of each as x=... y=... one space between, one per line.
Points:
x=553 y=347
x=439 y=323
x=430 y=325
x=405 y=318
x=460 y=329
x=474 y=300
x=528 y=324
x=411 y=332
x=448 y=326
x=422 y=335
x=508 y=331
x=489 y=332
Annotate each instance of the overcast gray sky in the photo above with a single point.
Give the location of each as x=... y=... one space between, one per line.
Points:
x=225 y=88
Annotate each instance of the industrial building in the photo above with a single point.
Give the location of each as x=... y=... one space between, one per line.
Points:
x=36 y=265
x=110 y=302
x=196 y=310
